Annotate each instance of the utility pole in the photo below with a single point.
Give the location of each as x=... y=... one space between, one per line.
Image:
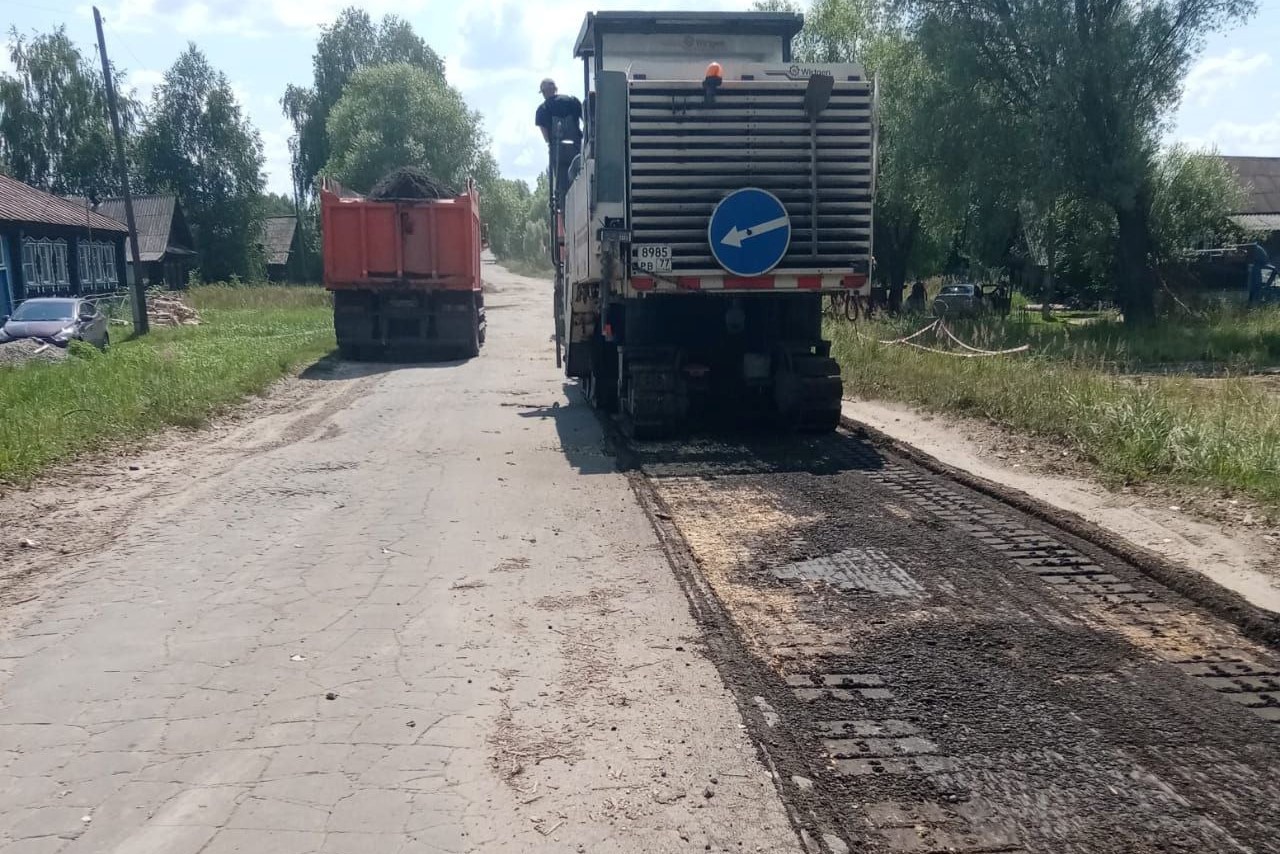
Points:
x=140 y=325
x=302 y=234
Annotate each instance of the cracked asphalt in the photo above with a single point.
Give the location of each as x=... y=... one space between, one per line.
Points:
x=406 y=609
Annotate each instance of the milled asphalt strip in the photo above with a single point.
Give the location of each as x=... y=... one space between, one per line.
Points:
x=1256 y=623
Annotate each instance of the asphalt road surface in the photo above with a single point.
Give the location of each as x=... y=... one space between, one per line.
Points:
x=414 y=609
x=422 y=609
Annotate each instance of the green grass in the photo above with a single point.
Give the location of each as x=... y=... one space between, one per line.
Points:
x=250 y=336
x=1073 y=388
x=1222 y=341
x=270 y=297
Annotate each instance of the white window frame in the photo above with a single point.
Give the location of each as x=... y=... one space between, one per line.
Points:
x=109 y=260
x=98 y=276
x=45 y=277
x=28 y=261
x=60 y=271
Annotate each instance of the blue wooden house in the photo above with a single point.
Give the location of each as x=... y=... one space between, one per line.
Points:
x=53 y=247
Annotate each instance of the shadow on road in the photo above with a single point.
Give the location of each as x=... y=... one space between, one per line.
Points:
x=595 y=444
x=583 y=439
x=334 y=367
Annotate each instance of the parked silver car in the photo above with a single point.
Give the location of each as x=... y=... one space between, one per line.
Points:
x=58 y=320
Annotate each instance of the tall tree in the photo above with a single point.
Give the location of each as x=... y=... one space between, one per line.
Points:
x=912 y=216
x=503 y=203
x=54 y=132
x=1093 y=80
x=1193 y=194
x=400 y=115
x=350 y=44
x=277 y=204
x=197 y=144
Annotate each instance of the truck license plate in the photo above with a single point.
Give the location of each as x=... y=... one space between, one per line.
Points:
x=651 y=258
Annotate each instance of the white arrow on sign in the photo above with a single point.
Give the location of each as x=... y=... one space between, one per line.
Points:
x=736 y=235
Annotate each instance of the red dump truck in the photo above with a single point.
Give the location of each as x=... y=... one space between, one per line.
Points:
x=404 y=273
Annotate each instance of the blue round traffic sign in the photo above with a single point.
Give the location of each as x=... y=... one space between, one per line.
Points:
x=749 y=232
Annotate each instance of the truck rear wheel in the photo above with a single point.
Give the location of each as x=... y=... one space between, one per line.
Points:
x=471 y=348
x=600 y=385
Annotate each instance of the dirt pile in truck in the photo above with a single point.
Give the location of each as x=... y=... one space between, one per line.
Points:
x=409 y=182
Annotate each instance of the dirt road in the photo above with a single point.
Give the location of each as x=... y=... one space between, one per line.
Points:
x=402 y=609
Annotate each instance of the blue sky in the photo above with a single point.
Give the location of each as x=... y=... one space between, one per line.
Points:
x=496 y=51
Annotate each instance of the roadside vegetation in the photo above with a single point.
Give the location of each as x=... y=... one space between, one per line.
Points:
x=249 y=337
x=1174 y=403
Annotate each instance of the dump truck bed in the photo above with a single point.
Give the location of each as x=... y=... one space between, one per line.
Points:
x=420 y=244
x=405 y=275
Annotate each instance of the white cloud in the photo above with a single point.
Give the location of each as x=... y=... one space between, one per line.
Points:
x=1216 y=74
x=143 y=81
x=241 y=93
x=1260 y=138
x=309 y=14
x=244 y=18
x=275 y=147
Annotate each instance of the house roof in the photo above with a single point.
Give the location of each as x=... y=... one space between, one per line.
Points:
x=277 y=237
x=1261 y=179
x=21 y=202
x=153 y=216
x=1258 y=222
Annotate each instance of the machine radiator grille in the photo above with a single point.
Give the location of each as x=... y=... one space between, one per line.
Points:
x=687 y=154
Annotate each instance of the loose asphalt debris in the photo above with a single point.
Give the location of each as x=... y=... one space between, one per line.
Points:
x=25 y=350
x=969 y=678
x=409 y=182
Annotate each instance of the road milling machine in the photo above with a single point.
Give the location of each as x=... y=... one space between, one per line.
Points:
x=722 y=190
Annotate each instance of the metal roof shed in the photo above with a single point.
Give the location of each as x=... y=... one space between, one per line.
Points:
x=165 y=245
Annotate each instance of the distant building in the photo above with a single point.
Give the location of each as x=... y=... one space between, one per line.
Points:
x=164 y=239
x=53 y=247
x=280 y=235
x=1260 y=213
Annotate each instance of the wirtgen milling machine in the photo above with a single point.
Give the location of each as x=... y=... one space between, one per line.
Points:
x=721 y=191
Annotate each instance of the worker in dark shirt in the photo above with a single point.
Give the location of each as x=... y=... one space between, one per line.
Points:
x=555 y=106
x=568 y=110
